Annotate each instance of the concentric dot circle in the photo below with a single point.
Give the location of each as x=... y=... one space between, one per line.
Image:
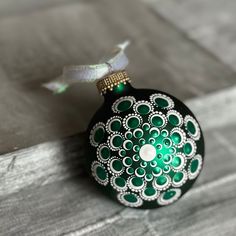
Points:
x=130 y=199
x=178 y=137
x=167 y=159
x=128 y=135
x=130 y=171
x=190 y=148
x=114 y=124
x=136 y=157
x=157 y=119
x=99 y=173
x=138 y=133
x=195 y=167
x=168 y=197
x=143 y=107
x=149 y=194
x=155 y=132
x=127 y=144
x=127 y=161
x=119 y=183
x=175 y=118
x=162 y=101
x=178 y=162
x=157 y=171
x=115 y=141
x=115 y=166
x=103 y=153
x=123 y=104
x=122 y=152
x=97 y=134
x=179 y=179
x=162 y=182
x=147 y=152
x=132 y=121
x=192 y=127
x=148 y=177
x=136 y=184
x=167 y=142
x=164 y=133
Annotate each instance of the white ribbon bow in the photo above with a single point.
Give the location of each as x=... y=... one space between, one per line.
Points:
x=90 y=73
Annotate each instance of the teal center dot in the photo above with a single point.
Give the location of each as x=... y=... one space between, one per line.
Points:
x=130 y=170
x=161 y=102
x=146 y=127
x=105 y=153
x=137 y=181
x=128 y=144
x=138 y=133
x=176 y=138
x=164 y=133
x=115 y=125
x=99 y=135
x=140 y=171
x=124 y=105
x=194 y=165
x=178 y=177
x=117 y=141
x=191 y=127
x=117 y=165
x=101 y=173
x=128 y=161
x=133 y=122
x=150 y=191
x=188 y=148
x=174 y=120
x=161 y=180
x=157 y=121
x=156 y=170
x=176 y=162
x=149 y=177
x=143 y=109
x=120 y=182
x=130 y=198
x=169 y=194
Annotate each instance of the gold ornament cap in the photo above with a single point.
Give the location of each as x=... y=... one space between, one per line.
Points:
x=112 y=80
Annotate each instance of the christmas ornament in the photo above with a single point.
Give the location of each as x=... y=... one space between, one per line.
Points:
x=145 y=147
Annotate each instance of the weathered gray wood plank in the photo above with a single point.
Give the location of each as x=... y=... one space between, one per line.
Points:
x=48 y=193
x=211 y=23
x=34 y=46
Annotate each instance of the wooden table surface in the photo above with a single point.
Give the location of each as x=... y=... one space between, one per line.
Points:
x=184 y=47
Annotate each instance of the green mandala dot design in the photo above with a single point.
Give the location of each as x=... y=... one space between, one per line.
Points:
x=130 y=199
x=168 y=197
x=97 y=134
x=195 y=167
x=123 y=104
x=147 y=155
x=99 y=173
x=162 y=101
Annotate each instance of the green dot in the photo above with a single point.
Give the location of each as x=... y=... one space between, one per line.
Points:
x=154 y=133
x=176 y=162
x=156 y=170
x=128 y=161
x=105 y=153
x=130 y=170
x=161 y=102
x=157 y=121
x=166 y=168
x=143 y=109
x=194 y=165
x=187 y=148
x=153 y=163
x=159 y=146
x=117 y=165
x=143 y=164
x=146 y=127
x=142 y=141
x=99 y=135
x=122 y=152
x=128 y=135
x=136 y=157
x=101 y=173
x=159 y=155
x=152 y=140
x=149 y=177
x=115 y=125
x=191 y=127
x=178 y=177
x=136 y=148
x=130 y=198
x=167 y=158
x=128 y=144
x=164 y=133
x=167 y=142
x=168 y=195
x=124 y=105
x=133 y=122
x=120 y=182
x=140 y=171
x=174 y=120
x=176 y=138
x=161 y=180
x=138 y=133
x=117 y=141
x=137 y=181
x=150 y=191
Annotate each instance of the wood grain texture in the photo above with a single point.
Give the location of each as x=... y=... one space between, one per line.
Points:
x=35 y=44
x=50 y=193
x=211 y=23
